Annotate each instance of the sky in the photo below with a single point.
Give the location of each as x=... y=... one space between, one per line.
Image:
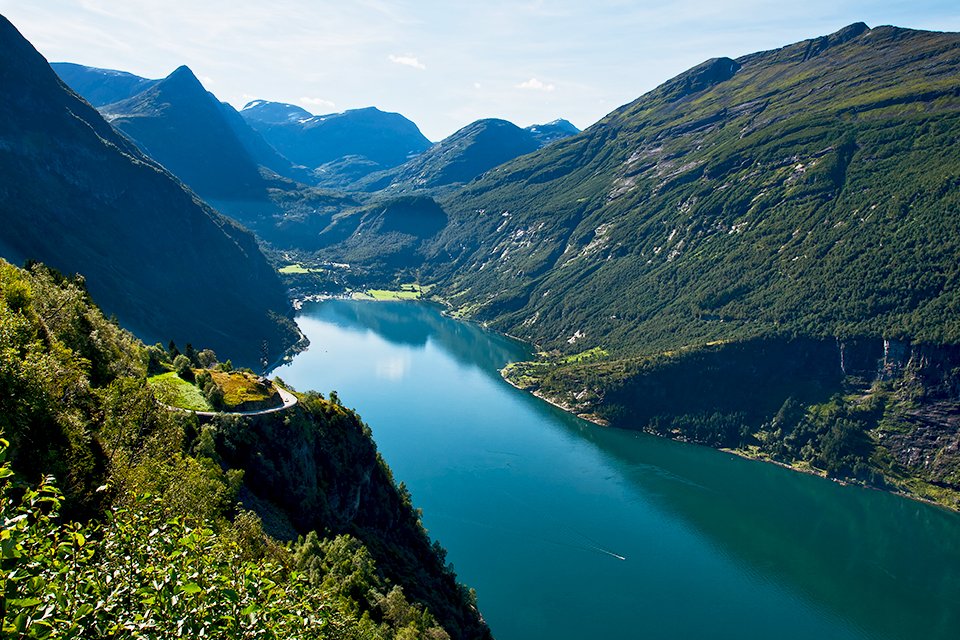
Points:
x=441 y=63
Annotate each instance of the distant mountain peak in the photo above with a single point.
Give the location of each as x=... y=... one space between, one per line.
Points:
x=460 y=157
x=182 y=70
x=184 y=127
x=183 y=77
x=553 y=131
x=849 y=32
x=387 y=139
x=101 y=86
x=269 y=112
x=370 y=109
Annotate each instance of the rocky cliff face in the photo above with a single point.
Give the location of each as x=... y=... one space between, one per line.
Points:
x=317 y=468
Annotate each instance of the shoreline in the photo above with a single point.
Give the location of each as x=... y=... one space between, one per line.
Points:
x=589 y=417
x=600 y=422
x=736 y=452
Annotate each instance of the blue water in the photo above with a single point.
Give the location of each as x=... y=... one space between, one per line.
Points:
x=569 y=530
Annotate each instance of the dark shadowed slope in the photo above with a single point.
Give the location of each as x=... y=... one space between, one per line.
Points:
x=183 y=127
x=81 y=197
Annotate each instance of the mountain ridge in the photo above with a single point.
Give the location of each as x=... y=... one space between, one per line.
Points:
x=458 y=158
x=101 y=86
x=202 y=150
x=382 y=137
x=99 y=207
x=619 y=174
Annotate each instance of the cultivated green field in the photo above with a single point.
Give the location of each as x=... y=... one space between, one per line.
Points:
x=408 y=291
x=294 y=269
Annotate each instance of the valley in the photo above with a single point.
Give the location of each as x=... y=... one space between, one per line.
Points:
x=593 y=359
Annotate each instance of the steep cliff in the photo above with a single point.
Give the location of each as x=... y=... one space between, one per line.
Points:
x=317 y=469
x=885 y=413
x=79 y=196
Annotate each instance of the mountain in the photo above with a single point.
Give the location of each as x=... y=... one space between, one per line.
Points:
x=459 y=158
x=290 y=523
x=101 y=86
x=381 y=237
x=205 y=143
x=275 y=113
x=82 y=198
x=552 y=131
x=183 y=127
x=721 y=204
x=386 y=139
x=259 y=149
x=788 y=205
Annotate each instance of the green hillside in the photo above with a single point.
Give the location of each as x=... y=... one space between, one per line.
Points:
x=457 y=159
x=810 y=189
x=759 y=254
x=125 y=518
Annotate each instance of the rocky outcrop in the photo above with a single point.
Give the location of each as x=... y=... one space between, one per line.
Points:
x=929 y=447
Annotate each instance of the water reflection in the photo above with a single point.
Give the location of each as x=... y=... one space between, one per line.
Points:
x=413 y=324
x=537 y=507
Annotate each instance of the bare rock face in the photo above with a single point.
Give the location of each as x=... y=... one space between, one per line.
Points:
x=931 y=447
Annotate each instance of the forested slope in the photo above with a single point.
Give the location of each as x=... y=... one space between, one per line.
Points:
x=716 y=253
x=808 y=189
x=121 y=515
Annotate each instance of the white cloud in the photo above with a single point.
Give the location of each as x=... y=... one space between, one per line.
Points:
x=318 y=102
x=476 y=85
x=407 y=61
x=536 y=85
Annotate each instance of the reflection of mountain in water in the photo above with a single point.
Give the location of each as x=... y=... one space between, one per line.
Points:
x=872 y=562
x=844 y=549
x=415 y=324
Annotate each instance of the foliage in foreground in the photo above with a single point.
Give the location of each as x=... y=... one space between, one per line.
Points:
x=143 y=538
x=147 y=573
